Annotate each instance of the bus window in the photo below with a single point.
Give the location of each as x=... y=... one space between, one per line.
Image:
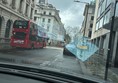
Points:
x=20 y=24
x=31 y=28
x=19 y=35
x=40 y=39
x=32 y=38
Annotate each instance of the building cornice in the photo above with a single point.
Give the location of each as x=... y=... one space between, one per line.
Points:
x=13 y=12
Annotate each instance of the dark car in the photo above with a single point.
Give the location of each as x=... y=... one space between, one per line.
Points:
x=67 y=52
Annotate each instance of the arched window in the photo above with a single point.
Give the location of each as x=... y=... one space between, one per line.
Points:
x=0 y=23
x=7 y=31
x=13 y=4
x=20 y=6
x=4 y=1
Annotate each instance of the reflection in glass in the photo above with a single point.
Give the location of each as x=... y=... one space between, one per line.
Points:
x=108 y=2
x=101 y=23
x=99 y=10
x=116 y=14
x=107 y=17
x=103 y=5
x=97 y=25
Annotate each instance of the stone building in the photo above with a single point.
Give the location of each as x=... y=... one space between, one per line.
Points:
x=101 y=29
x=88 y=19
x=47 y=16
x=11 y=10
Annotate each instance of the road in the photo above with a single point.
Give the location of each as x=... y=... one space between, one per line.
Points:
x=49 y=58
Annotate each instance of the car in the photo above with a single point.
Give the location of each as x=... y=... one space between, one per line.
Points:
x=67 y=52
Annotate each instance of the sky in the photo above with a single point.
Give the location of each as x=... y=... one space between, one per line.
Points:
x=71 y=12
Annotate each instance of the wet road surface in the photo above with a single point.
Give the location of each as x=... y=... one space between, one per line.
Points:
x=49 y=58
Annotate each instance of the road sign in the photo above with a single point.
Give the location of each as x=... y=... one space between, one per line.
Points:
x=82 y=48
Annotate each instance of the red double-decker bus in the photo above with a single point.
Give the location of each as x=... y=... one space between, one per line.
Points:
x=26 y=34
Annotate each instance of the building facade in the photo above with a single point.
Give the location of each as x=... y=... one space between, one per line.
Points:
x=88 y=20
x=43 y=2
x=48 y=17
x=101 y=29
x=11 y=10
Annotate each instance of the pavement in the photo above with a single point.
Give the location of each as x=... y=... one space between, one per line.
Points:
x=4 y=46
x=95 y=65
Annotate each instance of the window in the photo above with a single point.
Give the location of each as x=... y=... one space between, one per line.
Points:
x=50 y=13
x=103 y=6
x=97 y=25
x=44 y=13
x=32 y=38
x=19 y=35
x=101 y=23
x=35 y=11
x=31 y=13
x=4 y=1
x=13 y=4
x=99 y=11
x=48 y=28
x=100 y=1
x=108 y=2
x=40 y=39
x=20 y=6
x=107 y=17
x=43 y=20
x=116 y=14
x=35 y=18
x=26 y=11
x=92 y=17
x=91 y=25
x=49 y=20
x=7 y=31
x=90 y=32
x=20 y=24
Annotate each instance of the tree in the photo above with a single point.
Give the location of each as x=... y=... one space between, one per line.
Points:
x=67 y=38
x=72 y=31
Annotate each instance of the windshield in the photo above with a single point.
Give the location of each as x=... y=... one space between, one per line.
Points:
x=19 y=35
x=68 y=36
x=20 y=24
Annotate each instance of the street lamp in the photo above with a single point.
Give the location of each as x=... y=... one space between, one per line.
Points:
x=87 y=4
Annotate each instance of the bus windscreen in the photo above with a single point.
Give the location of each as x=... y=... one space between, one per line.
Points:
x=20 y=24
x=19 y=35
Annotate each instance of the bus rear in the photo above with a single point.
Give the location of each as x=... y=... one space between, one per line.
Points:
x=20 y=34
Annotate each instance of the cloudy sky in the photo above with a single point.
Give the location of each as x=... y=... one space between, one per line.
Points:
x=71 y=12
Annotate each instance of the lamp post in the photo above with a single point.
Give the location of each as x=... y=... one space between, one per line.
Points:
x=87 y=4
x=110 y=41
